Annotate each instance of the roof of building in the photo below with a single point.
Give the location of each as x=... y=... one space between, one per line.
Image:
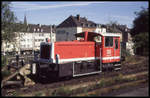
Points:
x=117 y=28
x=36 y=28
x=40 y=28
x=76 y=21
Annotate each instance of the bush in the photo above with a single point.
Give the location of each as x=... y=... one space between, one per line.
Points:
x=5 y=73
x=119 y=78
x=141 y=45
x=102 y=83
x=4 y=61
x=125 y=52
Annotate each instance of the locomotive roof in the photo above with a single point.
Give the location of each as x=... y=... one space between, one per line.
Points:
x=93 y=34
x=111 y=34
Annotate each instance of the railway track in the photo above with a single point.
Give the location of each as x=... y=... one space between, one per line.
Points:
x=126 y=69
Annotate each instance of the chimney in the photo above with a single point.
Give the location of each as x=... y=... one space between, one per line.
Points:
x=78 y=17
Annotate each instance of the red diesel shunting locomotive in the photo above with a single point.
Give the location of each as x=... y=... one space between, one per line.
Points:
x=89 y=55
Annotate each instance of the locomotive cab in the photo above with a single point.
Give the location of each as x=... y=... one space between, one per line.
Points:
x=111 y=51
x=107 y=48
x=88 y=36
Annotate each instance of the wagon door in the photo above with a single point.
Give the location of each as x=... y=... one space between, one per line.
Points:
x=116 y=47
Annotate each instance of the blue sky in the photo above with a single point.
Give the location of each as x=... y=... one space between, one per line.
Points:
x=56 y=12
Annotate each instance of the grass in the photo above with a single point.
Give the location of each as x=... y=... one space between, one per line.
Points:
x=4 y=60
x=62 y=91
x=134 y=60
x=5 y=73
x=100 y=84
x=105 y=83
x=38 y=94
x=118 y=78
x=130 y=59
x=14 y=94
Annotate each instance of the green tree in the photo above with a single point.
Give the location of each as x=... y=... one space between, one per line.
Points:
x=140 y=32
x=8 y=20
x=141 y=43
x=10 y=25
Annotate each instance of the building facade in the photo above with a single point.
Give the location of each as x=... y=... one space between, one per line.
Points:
x=75 y=24
x=30 y=40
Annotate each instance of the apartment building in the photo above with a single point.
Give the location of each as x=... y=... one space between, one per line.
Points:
x=30 y=39
x=75 y=24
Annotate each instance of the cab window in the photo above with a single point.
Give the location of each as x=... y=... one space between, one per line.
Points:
x=116 y=43
x=108 y=41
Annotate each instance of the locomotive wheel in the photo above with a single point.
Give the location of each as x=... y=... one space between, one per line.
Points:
x=107 y=67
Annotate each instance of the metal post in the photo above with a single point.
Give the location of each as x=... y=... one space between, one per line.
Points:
x=57 y=58
x=100 y=61
x=51 y=33
x=17 y=60
x=73 y=69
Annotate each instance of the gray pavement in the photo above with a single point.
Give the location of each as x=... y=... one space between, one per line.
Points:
x=140 y=90
x=137 y=92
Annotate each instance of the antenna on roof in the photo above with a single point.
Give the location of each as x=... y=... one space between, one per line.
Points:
x=78 y=17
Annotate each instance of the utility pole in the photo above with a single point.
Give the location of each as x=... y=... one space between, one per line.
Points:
x=51 y=33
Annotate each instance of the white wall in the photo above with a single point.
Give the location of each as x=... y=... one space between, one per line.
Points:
x=79 y=29
x=27 y=41
x=64 y=34
x=130 y=44
x=10 y=46
x=100 y=30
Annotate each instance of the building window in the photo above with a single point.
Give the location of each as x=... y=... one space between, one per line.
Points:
x=41 y=30
x=34 y=29
x=82 y=24
x=87 y=25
